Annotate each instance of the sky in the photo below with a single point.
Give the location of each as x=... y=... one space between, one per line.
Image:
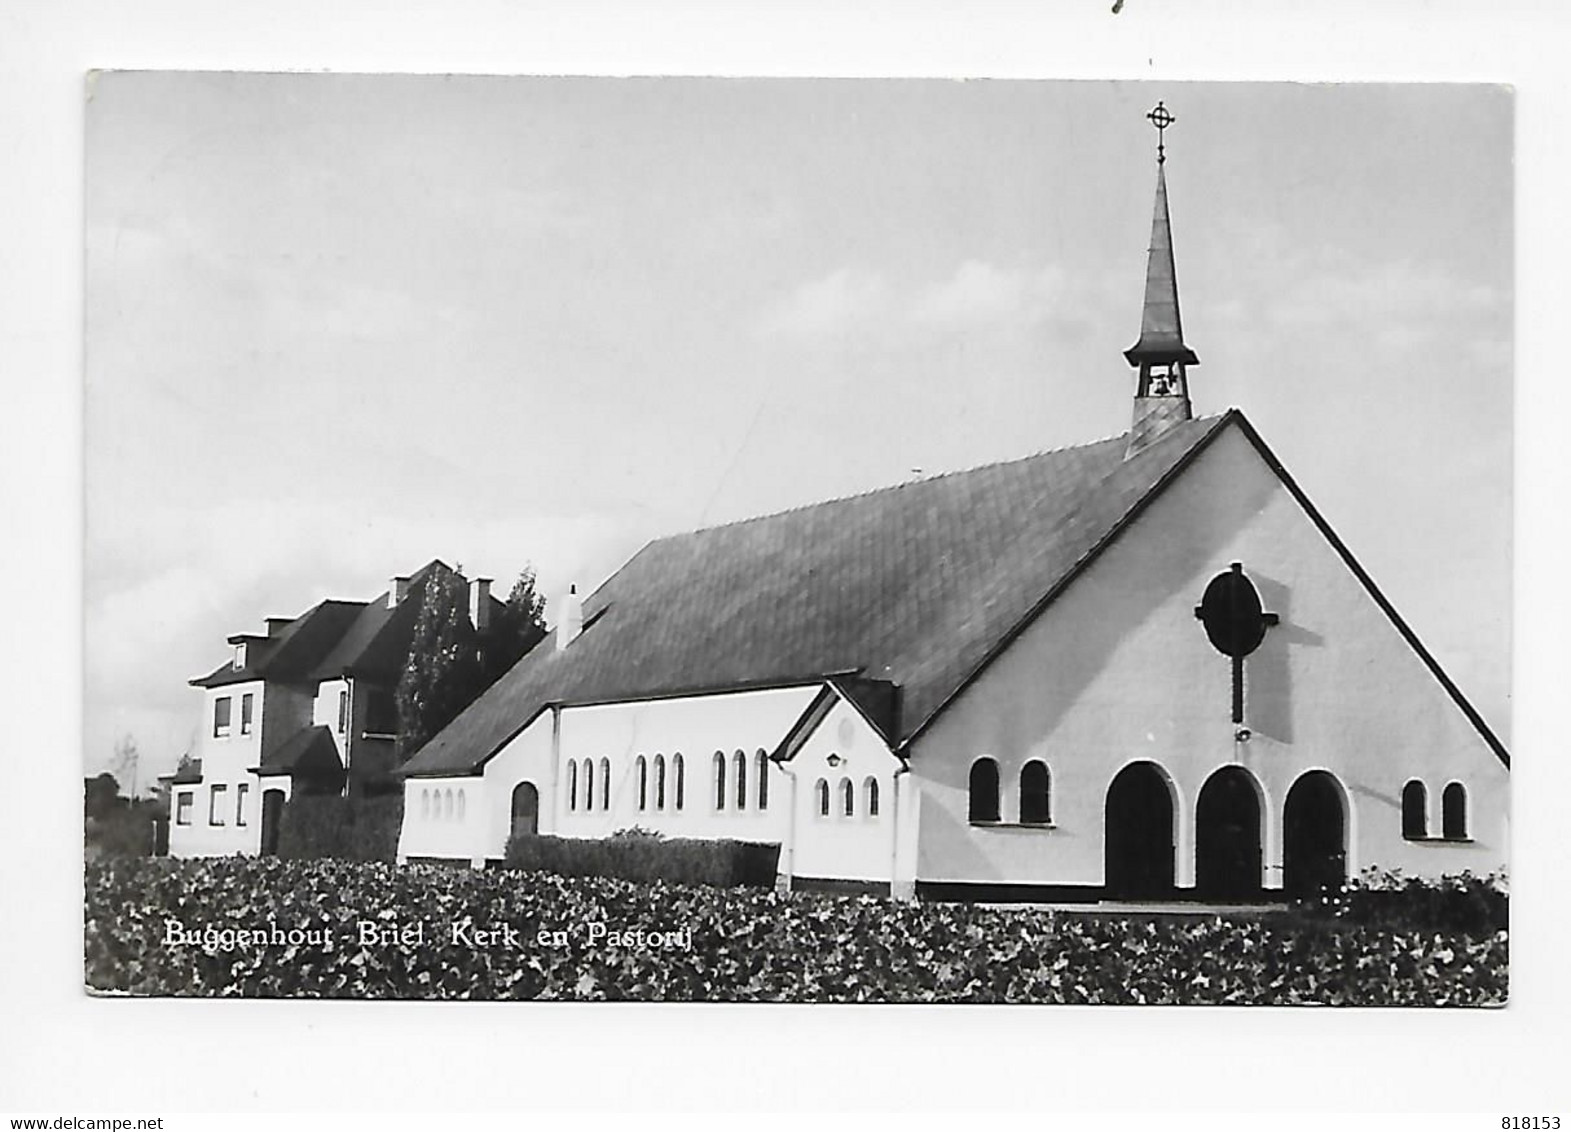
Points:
x=340 y=325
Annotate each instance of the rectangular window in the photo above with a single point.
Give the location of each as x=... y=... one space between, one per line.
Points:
x=343 y=711
x=247 y=702
x=240 y=655
x=215 y=805
x=221 y=708
x=183 y=808
x=240 y=792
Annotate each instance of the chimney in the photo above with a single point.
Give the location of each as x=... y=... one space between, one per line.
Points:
x=480 y=604
x=397 y=590
x=571 y=622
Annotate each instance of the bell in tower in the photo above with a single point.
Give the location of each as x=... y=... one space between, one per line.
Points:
x=1160 y=356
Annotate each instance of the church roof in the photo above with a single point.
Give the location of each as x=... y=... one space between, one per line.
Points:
x=917 y=585
x=1161 y=327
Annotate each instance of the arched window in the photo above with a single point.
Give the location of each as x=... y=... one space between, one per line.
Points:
x=761 y=770
x=460 y=805
x=425 y=803
x=1453 y=812
x=719 y=780
x=741 y=781
x=1035 y=797
x=1415 y=804
x=678 y=773
x=572 y=784
x=447 y=806
x=643 y=783
x=589 y=784
x=821 y=788
x=984 y=790
x=659 y=782
x=847 y=798
x=605 y=784
x=870 y=788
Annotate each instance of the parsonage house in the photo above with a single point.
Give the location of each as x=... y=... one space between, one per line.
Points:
x=1144 y=667
x=304 y=708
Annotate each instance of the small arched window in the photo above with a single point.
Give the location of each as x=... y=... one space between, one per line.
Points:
x=1415 y=806
x=821 y=788
x=425 y=803
x=447 y=806
x=460 y=805
x=741 y=781
x=870 y=788
x=659 y=782
x=719 y=780
x=1453 y=812
x=678 y=772
x=761 y=770
x=605 y=784
x=643 y=783
x=589 y=784
x=847 y=798
x=984 y=790
x=1035 y=796
x=572 y=785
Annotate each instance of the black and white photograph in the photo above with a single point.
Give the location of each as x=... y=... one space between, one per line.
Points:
x=797 y=539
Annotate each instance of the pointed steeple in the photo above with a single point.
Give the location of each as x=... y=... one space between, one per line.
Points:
x=1161 y=356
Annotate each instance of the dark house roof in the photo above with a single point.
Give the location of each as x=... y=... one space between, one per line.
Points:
x=311 y=749
x=336 y=638
x=915 y=586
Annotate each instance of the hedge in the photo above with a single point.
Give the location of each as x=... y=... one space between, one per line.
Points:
x=732 y=944
x=636 y=854
x=1463 y=903
x=352 y=829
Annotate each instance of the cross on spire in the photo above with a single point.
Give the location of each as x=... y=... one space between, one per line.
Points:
x=1161 y=118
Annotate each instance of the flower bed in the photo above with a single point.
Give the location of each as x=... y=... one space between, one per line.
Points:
x=252 y=927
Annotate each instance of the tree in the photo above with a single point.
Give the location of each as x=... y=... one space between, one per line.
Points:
x=517 y=628
x=443 y=672
x=102 y=795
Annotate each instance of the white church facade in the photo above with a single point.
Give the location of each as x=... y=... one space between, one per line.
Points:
x=1141 y=668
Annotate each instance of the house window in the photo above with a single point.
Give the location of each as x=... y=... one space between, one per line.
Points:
x=572 y=784
x=643 y=783
x=870 y=788
x=217 y=800
x=221 y=710
x=659 y=782
x=677 y=772
x=984 y=790
x=761 y=769
x=240 y=795
x=183 y=808
x=605 y=784
x=847 y=798
x=821 y=788
x=1035 y=798
x=1453 y=812
x=343 y=711
x=741 y=781
x=719 y=780
x=1415 y=803
x=247 y=702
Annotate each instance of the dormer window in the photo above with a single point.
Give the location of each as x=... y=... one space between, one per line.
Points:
x=240 y=655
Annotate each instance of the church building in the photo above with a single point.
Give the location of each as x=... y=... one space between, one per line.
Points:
x=1142 y=668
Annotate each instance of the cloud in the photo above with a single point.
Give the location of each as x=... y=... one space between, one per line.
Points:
x=976 y=295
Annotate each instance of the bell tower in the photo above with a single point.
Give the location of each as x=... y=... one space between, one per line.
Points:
x=1160 y=356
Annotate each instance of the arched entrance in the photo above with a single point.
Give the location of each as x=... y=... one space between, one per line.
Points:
x=526 y=809
x=272 y=813
x=1227 y=837
x=1139 y=834
x=1314 y=836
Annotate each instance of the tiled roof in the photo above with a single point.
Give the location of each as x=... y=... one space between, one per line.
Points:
x=294 y=654
x=916 y=585
x=310 y=748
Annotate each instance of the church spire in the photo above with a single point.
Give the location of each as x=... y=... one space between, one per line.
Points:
x=1162 y=391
